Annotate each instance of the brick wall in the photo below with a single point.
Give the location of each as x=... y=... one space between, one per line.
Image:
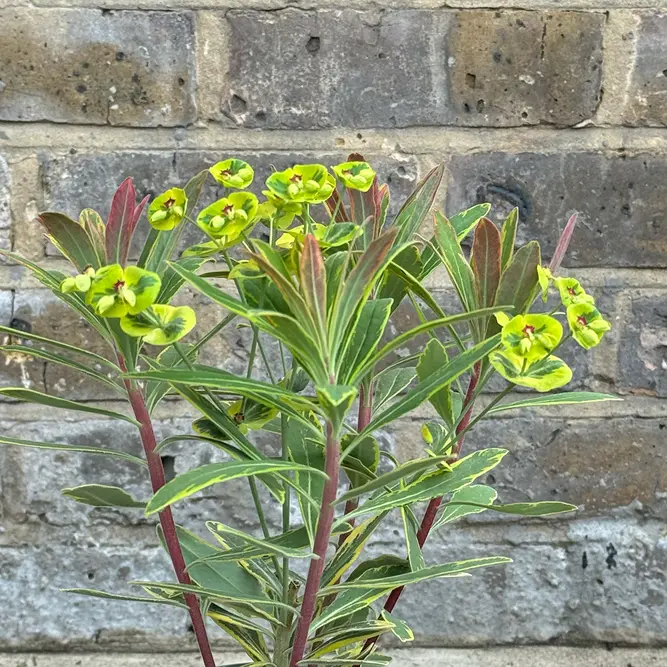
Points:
x=551 y=106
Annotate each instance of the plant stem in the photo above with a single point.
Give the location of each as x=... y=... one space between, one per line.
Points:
x=322 y=537
x=363 y=419
x=156 y=470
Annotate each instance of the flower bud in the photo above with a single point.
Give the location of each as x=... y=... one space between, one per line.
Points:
x=68 y=285
x=217 y=221
x=311 y=186
x=159 y=215
x=292 y=189
x=599 y=325
x=82 y=282
x=177 y=210
x=525 y=345
x=589 y=337
x=105 y=303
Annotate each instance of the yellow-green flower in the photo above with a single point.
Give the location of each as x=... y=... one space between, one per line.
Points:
x=160 y=324
x=280 y=211
x=355 y=175
x=117 y=291
x=233 y=173
x=167 y=210
x=542 y=375
x=227 y=219
x=253 y=417
x=307 y=183
x=572 y=292
x=530 y=336
x=586 y=324
x=328 y=236
x=78 y=283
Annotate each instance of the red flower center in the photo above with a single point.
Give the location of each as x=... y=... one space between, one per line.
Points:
x=528 y=330
x=225 y=173
x=296 y=178
x=228 y=210
x=581 y=320
x=119 y=285
x=169 y=203
x=572 y=291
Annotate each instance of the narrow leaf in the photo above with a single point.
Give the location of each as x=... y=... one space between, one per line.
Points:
x=71 y=239
x=100 y=495
x=485 y=262
x=563 y=243
x=314 y=282
x=563 y=398
x=120 y=222
x=508 y=238
x=454 y=510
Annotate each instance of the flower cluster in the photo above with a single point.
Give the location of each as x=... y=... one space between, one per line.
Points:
x=528 y=341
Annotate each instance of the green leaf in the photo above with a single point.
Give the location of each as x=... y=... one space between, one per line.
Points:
x=124 y=598
x=390 y=383
x=54 y=358
x=435 y=572
x=251 y=640
x=336 y=400
x=366 y=336
x=375 y=660
x=348 y=552
x=453 y=510
x=92 y=222
x=71 y=239
x=172 y=281
x=32 y=396
x=399 y=627
x=462 y=473
x=518 y=282
x=358 y=285
x=457 y=267
x=563 y=398
x=485 y=262
x=433 y=358
x=463 y=223
x=366 y=452
x=418 y=466
x=4 y=440
x=393 y=285
x=346 y=638
x=95 y=358
x=411 y=529
x=508 y=237
x=542 y=508
x=188 y=483
x=168 y=358
x=268 y=547
x=100 y=495
x=306 y=451
x=433 y=383
x=313 y=280
x=417 y=206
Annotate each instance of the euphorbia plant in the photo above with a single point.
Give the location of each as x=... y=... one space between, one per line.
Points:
x=325 y=292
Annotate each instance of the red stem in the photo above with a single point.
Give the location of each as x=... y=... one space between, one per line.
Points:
x=433 y=507
x=156 y=471
x=363 y=419
x=322 y=537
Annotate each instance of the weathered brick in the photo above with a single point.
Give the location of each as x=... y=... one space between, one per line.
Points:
x=5 y=211
x=524 y=67
x=642 y=354
x=100 y=67
x=411 y=67
x=648 y=85
x=301 y=69
x=623 y=216
x=84 y=180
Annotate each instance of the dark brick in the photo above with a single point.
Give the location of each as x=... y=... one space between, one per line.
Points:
x=524 y=67
x=646 y=105
x=299 y=69
x=642 y=354
x=623 y=215
x=92 y=66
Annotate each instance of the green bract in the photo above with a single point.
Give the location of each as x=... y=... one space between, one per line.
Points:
x=115 y=291
x=328 y=236
x=233 y=173
x=355 y=175
x=229 y=219
x=545 y=278
x=160 y=324
x=307 y=183
x=530 y=336
x=167 y=210
x=278 y=211
x=543 y=375
x=586 y=324
x=571 y=292
x=78 y=283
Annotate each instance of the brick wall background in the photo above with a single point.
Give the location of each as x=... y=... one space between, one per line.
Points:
x=551 y=106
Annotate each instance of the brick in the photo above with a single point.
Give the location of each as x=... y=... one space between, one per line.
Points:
x=79 y=181
x=299 y=69
x=99 y=67
x=411 y=68
x=648 y=85
x=524 y=67
x=5 y=211
x=597 y=464
x=623 y=217
x=642 y=354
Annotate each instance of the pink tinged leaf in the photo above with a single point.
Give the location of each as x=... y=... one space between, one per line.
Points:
x=485 y=262
x=563 y=243
x=336 y=207
x=121 y=222
x=313 y=281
